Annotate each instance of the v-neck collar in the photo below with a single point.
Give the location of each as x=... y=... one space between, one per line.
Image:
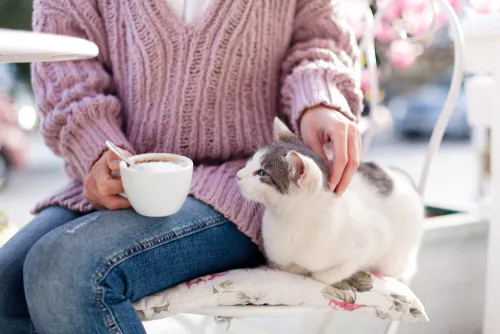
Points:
x=181 y=25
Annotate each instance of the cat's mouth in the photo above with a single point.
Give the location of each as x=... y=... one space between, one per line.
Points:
x=247 y=193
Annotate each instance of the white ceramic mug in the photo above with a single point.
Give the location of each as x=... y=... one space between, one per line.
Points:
x=157 y=193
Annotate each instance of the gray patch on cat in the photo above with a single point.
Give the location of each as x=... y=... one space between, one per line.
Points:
x=377 y=177
x=406 y=175
x=274 y=164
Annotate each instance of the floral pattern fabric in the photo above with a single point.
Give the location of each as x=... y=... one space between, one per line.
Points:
x=383 y=297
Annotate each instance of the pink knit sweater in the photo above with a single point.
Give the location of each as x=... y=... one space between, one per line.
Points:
x=208 y=90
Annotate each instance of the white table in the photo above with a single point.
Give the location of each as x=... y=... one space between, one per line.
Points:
x=25 y=46
x=482 y=57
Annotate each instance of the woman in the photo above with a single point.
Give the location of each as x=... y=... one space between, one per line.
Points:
x=203 y=81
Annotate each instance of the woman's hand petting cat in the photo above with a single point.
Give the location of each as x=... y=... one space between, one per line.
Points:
x=320 y=125
x=101 y=189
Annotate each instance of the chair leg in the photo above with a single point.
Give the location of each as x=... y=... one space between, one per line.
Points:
x=237 y=326
x=392 y=328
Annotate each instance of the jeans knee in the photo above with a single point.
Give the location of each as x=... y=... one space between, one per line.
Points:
x=53 y=272
x=14 y=317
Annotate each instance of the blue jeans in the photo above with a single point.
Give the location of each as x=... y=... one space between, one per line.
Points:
x=82 y=273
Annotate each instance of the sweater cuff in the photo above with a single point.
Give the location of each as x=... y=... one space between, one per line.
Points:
x=88 y=142
x=310 y=89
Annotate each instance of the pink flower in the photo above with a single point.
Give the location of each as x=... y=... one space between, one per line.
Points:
x=204 y=279
x=378 y=275
x=196 y=281
x=213 y=276
x=344 y=306
x=402 y=54
x=485 y=6
x=394 y=10
x=355 y=15
x=456 y=4
x=365 y=80
x=384 y=32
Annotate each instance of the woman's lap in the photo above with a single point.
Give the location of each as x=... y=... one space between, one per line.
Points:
x=12 y=255
x=83 y=277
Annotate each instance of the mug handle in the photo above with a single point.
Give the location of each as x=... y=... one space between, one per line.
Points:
x=116 y=175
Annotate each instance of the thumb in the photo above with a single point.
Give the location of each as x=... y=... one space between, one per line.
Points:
x=114 y=160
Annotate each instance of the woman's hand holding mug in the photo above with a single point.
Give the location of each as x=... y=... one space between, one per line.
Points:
x=101 y=189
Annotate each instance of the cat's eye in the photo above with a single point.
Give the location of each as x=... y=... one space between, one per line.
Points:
x=261 y=172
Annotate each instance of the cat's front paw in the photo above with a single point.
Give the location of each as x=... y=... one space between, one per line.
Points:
x=328 y=276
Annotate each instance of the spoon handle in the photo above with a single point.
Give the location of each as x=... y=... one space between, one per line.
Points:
x=122 y=156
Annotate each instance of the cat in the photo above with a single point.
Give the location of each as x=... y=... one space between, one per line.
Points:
x=376 y=225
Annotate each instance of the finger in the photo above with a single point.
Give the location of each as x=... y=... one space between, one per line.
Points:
x=317 y=146
x=352 y=164
x=100 y=201
x=97 y=206
x=339 y=156
x=114 y=161
x=110 y=187
x=101 y=173
x=115 y=202
x=89 y=190
x=360 y=143
x=105 y=183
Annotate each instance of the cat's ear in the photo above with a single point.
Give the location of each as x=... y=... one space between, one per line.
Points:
x=281 y=131
x=305 y=172
x=299 y=167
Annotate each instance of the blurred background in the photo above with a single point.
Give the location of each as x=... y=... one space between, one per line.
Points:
x=414 y=81
x=414 y=84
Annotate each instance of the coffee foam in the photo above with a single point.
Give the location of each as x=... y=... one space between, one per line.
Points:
x=159 y=166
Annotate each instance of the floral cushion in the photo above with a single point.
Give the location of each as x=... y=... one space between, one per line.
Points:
x=383 y=297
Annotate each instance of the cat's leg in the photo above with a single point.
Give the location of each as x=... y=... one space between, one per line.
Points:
x=402 y=268
x=291 y=268
x=296 y=269
x=409 y=268
x=335 y=274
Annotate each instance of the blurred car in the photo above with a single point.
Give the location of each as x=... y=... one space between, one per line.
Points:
x=13 y=140
x=415 y=114
x=18 y=117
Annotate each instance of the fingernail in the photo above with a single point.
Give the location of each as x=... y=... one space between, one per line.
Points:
x=115 y=164
x=332 y=187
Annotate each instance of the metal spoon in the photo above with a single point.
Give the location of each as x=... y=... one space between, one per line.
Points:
x=122 y=156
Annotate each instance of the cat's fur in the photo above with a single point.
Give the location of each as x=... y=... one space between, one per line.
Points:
x=376 y=225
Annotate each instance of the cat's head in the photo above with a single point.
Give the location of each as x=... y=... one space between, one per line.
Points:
x=283 y=169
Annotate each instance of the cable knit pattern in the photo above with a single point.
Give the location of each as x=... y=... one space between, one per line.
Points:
x=207 y=90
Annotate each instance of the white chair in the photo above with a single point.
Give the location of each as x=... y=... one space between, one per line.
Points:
x=21 y=51
x=482 y=38
x=232 y=315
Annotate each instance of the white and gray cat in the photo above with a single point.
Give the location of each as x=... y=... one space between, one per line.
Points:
x=376 y=225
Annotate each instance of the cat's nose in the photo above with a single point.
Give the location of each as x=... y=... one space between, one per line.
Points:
x=238 y=177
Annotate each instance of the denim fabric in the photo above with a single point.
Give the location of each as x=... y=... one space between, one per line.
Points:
x=83 y=277
x=14 y=316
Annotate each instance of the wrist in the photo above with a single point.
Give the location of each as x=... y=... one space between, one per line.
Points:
x=318 y=107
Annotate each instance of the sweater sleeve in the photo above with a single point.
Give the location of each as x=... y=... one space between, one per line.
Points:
x=321 y=65
x=76 y=98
